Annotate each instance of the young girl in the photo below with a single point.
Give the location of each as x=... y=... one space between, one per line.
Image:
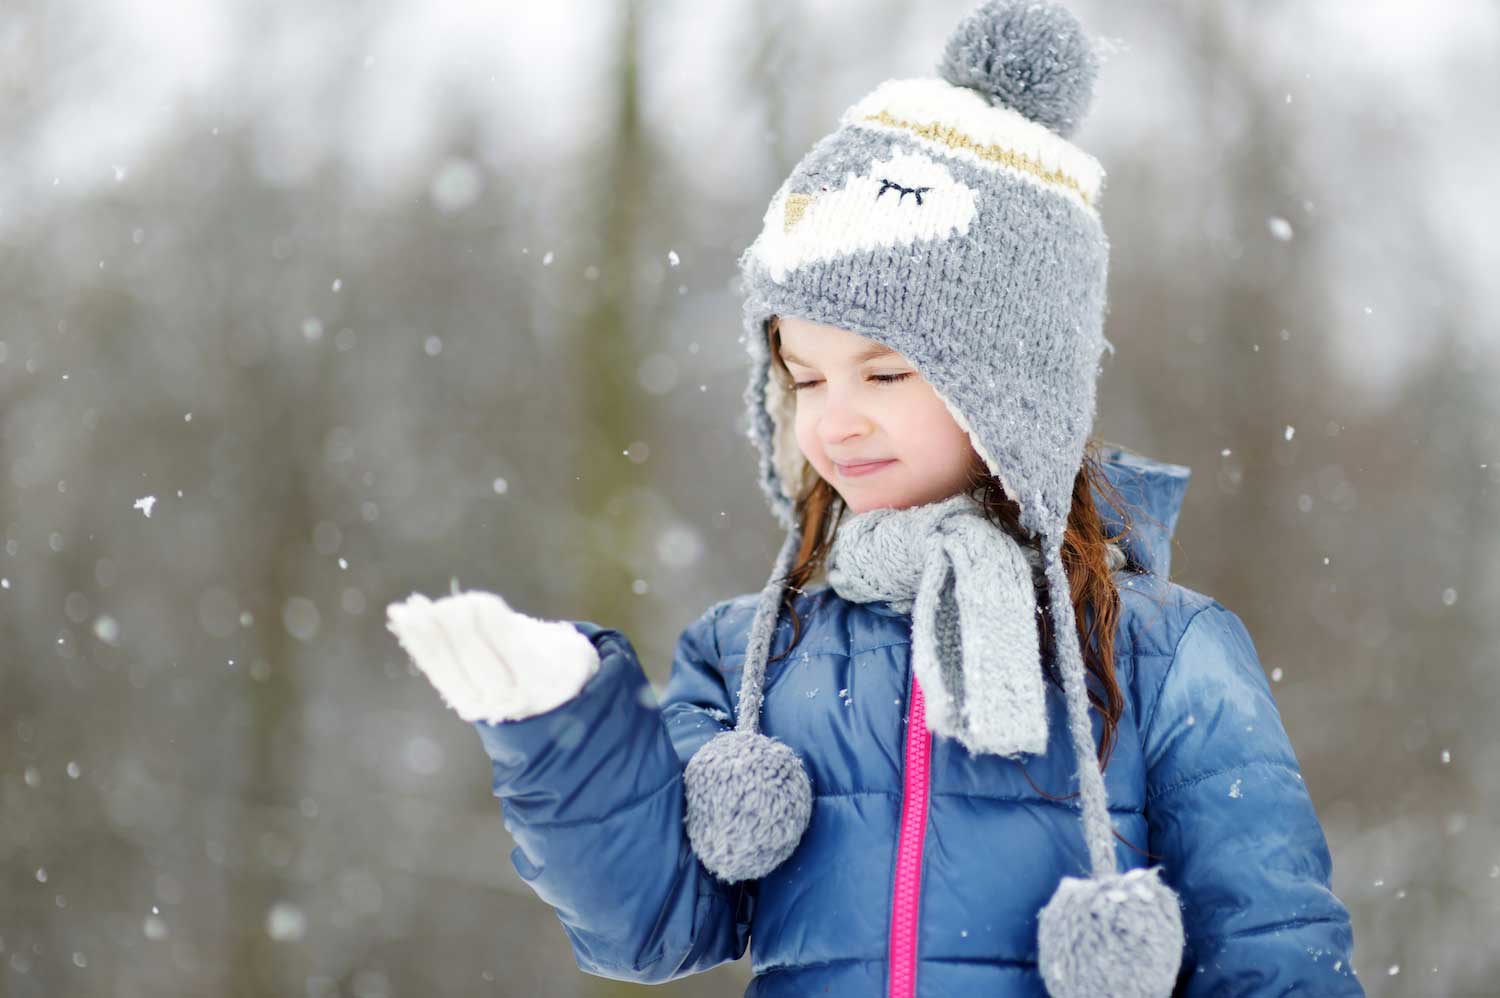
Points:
x=969 y=739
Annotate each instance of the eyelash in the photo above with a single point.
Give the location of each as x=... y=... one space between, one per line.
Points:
x=888 y=185
x=887 y=379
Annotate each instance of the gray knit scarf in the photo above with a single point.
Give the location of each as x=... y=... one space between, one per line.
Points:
x=970 y=588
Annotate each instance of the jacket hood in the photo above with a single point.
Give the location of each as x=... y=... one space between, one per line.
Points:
x=1153 y=491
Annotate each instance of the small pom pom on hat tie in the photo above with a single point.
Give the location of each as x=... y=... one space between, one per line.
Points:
x=1118 y=935
x=1113 y=934
x=748 y=798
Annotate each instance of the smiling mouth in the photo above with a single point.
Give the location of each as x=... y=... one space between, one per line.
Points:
x=863 y=468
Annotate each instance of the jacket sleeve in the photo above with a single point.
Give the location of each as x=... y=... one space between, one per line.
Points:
x=1237 y=836
x=592 y=794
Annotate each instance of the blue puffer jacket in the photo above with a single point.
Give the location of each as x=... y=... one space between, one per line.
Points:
x=1202 y=776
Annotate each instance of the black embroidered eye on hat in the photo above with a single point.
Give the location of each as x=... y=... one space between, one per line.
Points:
x=951 y=219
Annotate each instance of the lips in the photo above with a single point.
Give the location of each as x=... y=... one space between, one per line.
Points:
x=862 y=467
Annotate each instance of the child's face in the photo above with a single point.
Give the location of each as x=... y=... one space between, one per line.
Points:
x=851 y=410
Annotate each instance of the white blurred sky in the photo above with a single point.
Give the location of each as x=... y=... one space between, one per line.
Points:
x=371 y=83
x=116 y=71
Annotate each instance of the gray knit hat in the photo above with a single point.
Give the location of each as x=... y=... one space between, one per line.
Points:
x=952 y=220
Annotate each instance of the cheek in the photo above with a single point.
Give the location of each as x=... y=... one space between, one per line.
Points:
x=931 y=433
x=807 y=434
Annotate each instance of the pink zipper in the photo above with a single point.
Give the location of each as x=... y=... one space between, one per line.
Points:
x=907 y=896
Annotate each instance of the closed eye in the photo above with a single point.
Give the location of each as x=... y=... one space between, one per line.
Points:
x=885 y=379
x=887 y=184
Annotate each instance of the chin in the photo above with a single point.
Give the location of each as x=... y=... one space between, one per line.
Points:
x=863 y=503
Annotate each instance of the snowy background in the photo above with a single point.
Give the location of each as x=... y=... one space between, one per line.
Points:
x=310 y=306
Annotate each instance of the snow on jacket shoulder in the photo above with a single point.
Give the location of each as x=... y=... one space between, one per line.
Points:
x=1202 y=777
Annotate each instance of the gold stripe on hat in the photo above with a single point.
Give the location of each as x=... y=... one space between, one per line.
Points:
x=954 y=139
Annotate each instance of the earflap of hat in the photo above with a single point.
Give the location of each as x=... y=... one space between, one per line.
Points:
x=979 y=448
x=792 y=468
x=770 y=423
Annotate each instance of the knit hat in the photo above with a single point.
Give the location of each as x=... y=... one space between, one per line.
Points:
x=952 y=220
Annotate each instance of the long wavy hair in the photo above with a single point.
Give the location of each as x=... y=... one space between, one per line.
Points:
x=1096 y=599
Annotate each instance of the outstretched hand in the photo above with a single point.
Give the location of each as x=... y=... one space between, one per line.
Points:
x=489 y=662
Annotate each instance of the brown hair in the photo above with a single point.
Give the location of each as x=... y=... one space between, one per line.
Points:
x=1096 y=599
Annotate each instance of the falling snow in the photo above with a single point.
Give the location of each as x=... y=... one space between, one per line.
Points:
x=285 y=922
x=459 y=336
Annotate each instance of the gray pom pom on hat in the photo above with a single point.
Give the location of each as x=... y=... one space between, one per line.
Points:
x=1031 y=57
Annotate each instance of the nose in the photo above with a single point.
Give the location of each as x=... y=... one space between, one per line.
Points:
x=796 y=207
x=842 y=418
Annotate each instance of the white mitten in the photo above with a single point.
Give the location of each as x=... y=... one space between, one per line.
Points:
x=489 y=662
